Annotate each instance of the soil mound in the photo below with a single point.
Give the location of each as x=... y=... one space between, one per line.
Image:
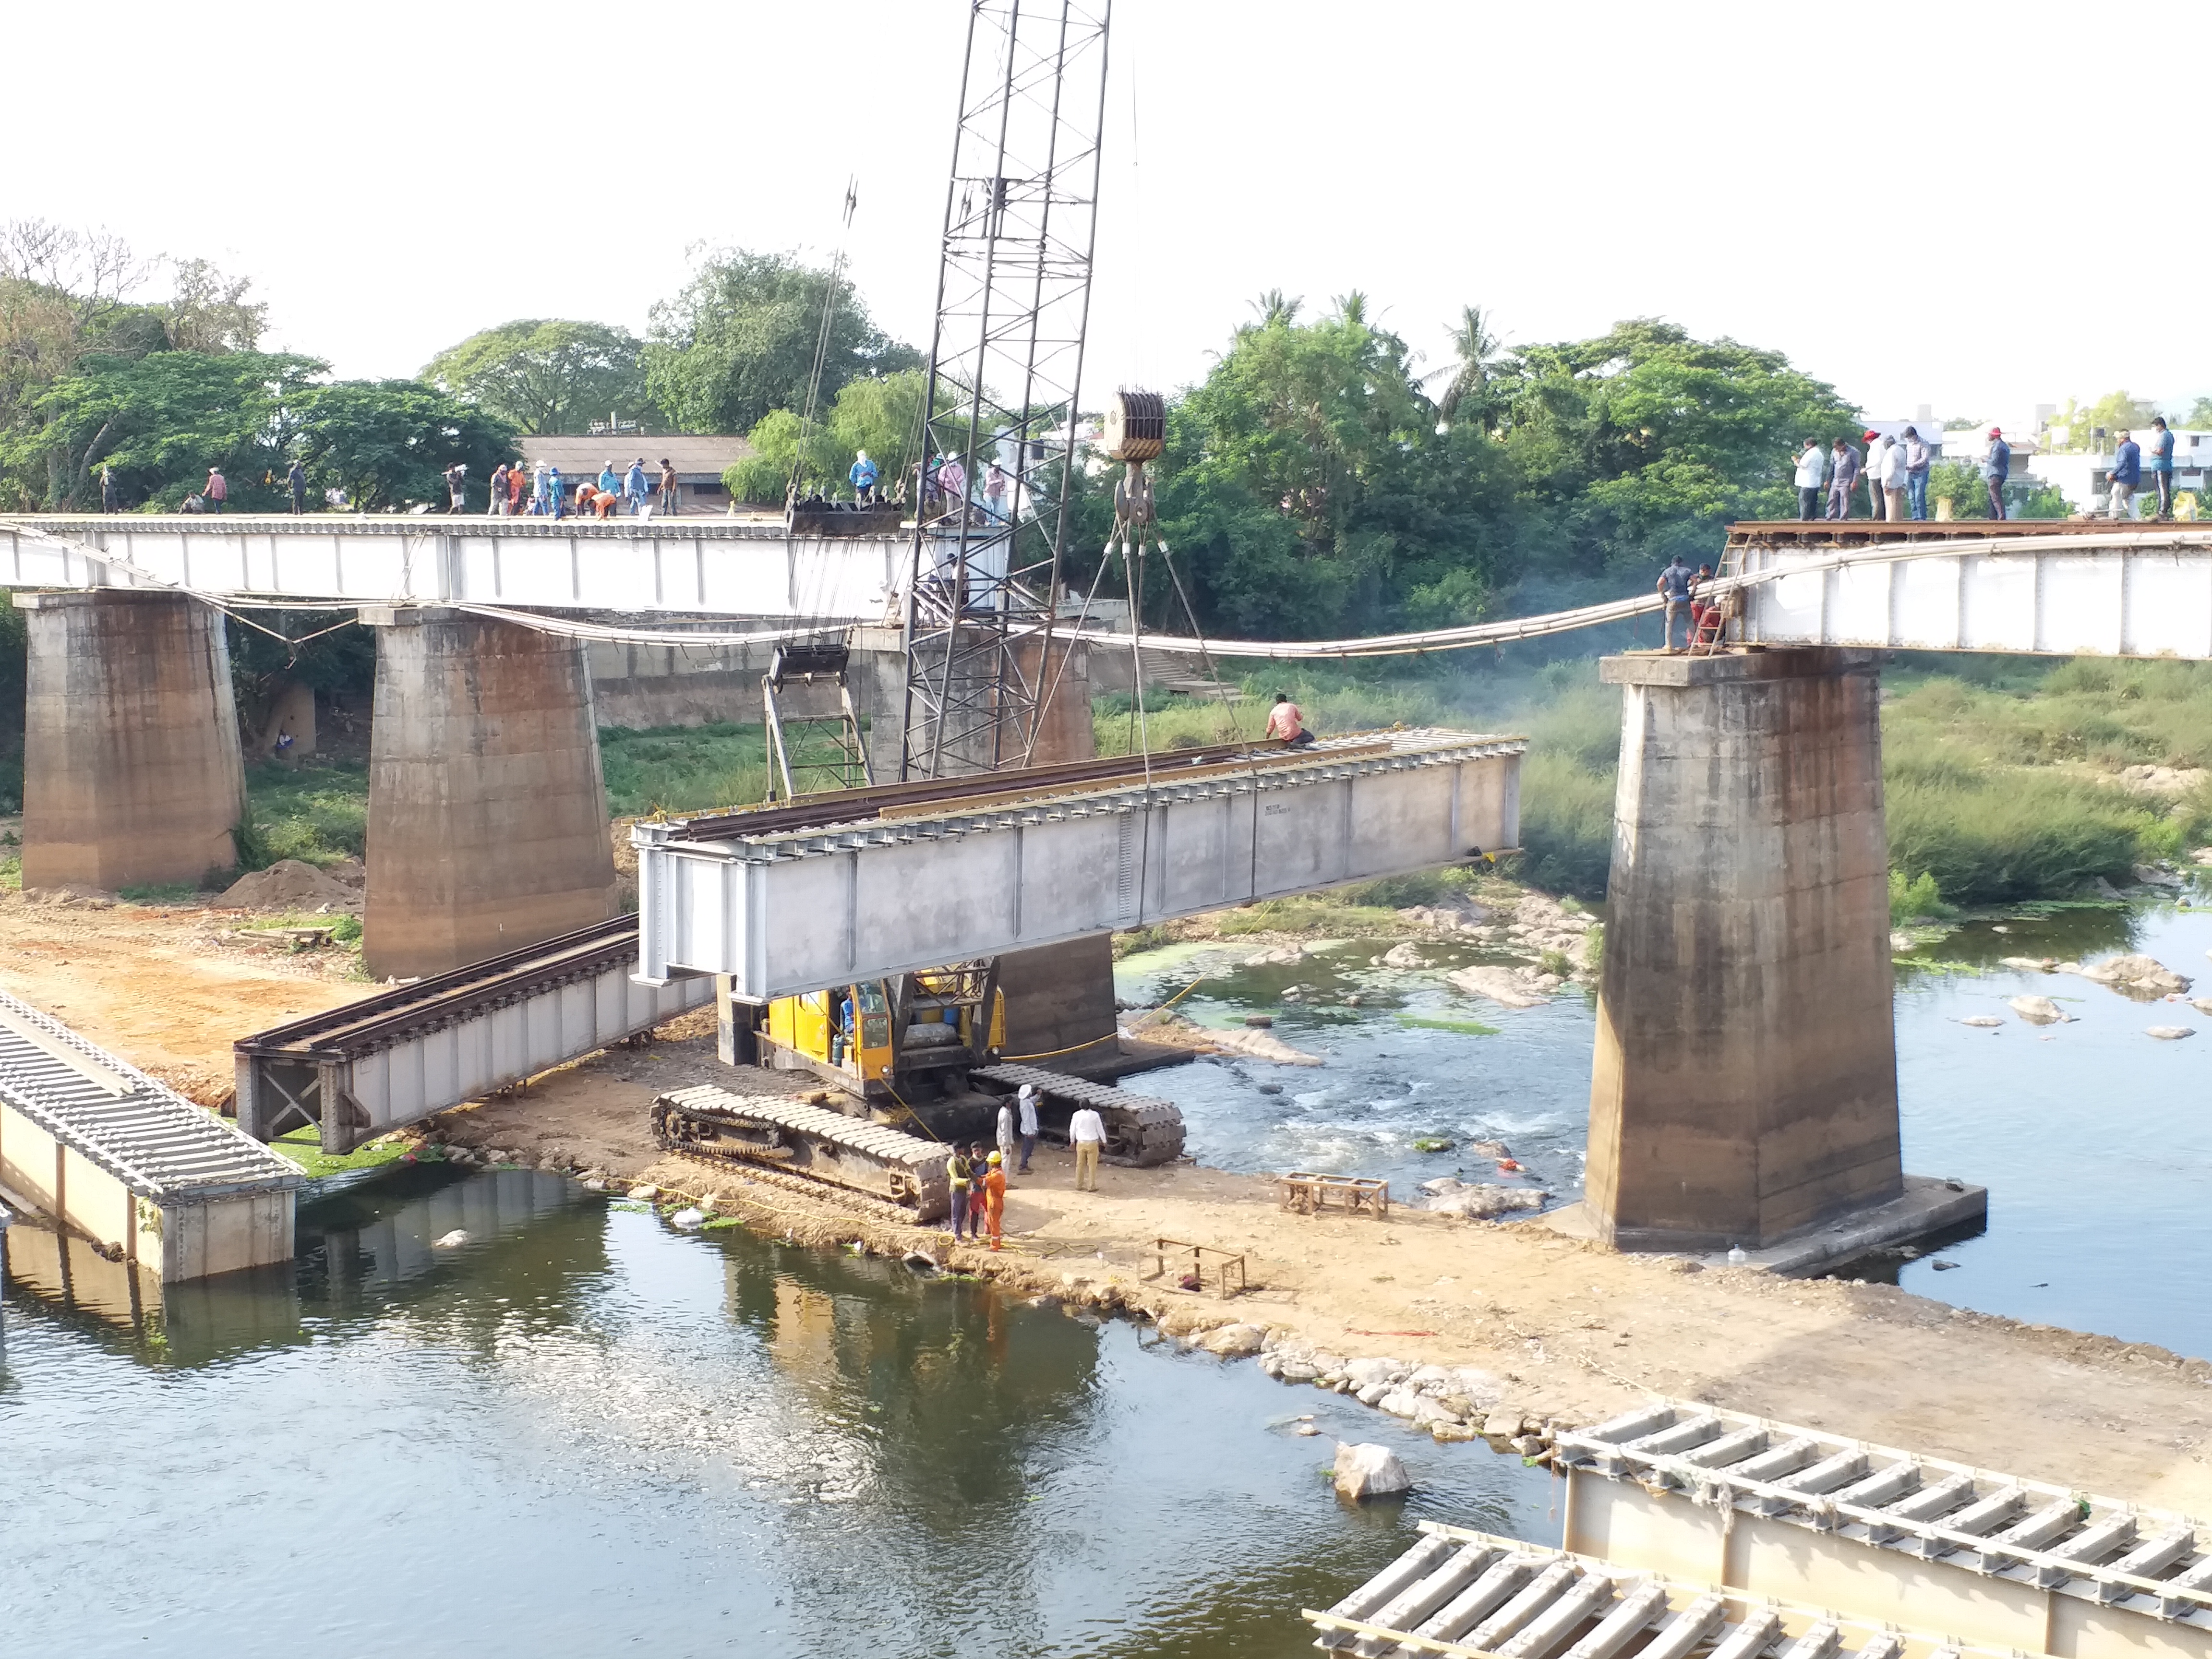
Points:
x=289 y=885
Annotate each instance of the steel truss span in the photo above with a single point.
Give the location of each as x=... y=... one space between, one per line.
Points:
x=813 y=896
x=1005 y=370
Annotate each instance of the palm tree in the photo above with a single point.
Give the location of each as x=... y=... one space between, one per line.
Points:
x=1275 y=307
x=1474 y=351
x=1351 y=308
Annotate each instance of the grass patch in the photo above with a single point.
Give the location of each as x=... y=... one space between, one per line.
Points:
x=1305 y=913
x=683 y=768
x=1443 y=1023
x=168 y=892
x=303 y=1145
x=316 y=812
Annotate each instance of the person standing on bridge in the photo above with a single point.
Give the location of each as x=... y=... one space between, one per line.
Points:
x=1677 y=584
x=2126 y=474
x=994 y=492
x=497 y=506
x=634 y=489
x=609 y=480
x=1892 y=480
x=109 y=502
x=1812 y=468
x=217 y=490
x=2161 y=465
x=556 y=499
x=862 y=476
x=1997 y=467
x=1918 y=458
x=1086 y=1133
x=672 y=489
x=518 y=481
x=457 y=486
x=1843 y=473
x=1877 y=450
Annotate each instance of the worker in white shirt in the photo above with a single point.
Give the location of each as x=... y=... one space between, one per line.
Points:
x=1877 y=449
x=1812 y=468
x=1086 y=1132
x=1007 y=1134
x=1893 y=481
x=1026 y=1103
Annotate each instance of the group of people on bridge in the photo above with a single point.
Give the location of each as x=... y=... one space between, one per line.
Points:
x=541 y=492
x=1895 y=470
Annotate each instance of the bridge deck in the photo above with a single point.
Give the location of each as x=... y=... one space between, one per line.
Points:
x=2066 y=587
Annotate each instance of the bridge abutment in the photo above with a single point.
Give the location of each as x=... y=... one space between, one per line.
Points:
x=487 y=826
x=132 y=773
x=1744 y=1086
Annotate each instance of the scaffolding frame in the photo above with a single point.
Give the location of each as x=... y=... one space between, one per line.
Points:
x=1006 y=365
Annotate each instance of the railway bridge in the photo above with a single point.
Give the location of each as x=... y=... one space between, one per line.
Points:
x=1749 y=874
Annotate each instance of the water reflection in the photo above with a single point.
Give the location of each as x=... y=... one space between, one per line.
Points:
x=581 y=1418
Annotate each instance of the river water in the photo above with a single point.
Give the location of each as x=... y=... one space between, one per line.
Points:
x=584 y=1432
x=2093 y=1139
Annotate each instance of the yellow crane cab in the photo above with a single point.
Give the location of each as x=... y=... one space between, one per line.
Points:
x=890 y=1040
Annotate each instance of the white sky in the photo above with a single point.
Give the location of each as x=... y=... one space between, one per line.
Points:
x=1911 y=208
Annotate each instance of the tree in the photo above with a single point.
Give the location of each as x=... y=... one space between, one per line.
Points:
x=1306 y=487
x=159 y=422
x=1645 y=440
x=546 y=375
x=2199 y=414
x=386 y=443
x=1474 y=357
x=882 y=416
x=739 y=341
x=208 y=312
x=2075 y=428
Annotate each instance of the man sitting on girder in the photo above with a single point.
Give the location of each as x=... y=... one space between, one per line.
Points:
x=1287 y=725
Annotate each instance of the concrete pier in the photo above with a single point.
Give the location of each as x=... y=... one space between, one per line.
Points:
x=131 y=770
x=1744 y=1086
x=488 y=826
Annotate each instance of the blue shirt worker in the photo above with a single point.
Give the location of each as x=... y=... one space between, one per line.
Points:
x=2126 y=474
x=1677 y=583
x=554 y=496
x=1997 y=467
x=863 y=477
x=634 y=487
x=2162 y=464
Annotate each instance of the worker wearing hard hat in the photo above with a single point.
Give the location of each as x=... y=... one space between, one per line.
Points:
x=994 y=1197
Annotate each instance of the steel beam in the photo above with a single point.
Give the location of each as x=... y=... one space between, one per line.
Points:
x=782 y=911
x=709 y=566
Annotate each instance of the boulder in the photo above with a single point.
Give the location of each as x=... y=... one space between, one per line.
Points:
x=1262 y=1045
x=1369 y=1471
x=1401 y=1403
x=2029 y=964
x=1483 y=1203
x=1479 y=1385
x=451 y=1241
x=1364 y=1371
x=1298 y=1370
x=2203 y=1005
x=1983 y=1021
x=2172 y=1033
x=2135 y=976
x=1407 y=955
x=1501 y=1425
x=1233 y=1341
x=1498 y=984
x=1281 y=956
x=644 y=1193
x=2202 y=855
x=2039 y=1010
x=690 y=1219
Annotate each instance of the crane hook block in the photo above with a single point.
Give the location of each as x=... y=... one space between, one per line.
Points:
x=1136 y=426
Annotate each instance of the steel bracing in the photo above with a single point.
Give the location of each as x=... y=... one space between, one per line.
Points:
x=1006 y=369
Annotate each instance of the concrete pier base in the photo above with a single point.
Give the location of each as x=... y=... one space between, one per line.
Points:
x=1744 y=1086
x=131 y=768
x=488 y=826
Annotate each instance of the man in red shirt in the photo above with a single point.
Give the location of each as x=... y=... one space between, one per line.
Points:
x=217 y=491
x=1286 y=724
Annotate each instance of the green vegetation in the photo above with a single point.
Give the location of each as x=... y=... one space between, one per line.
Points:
x=303 y=1147
x=1442 y=1023
x=683 y=768
x=316 y=811
x=543 y=375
